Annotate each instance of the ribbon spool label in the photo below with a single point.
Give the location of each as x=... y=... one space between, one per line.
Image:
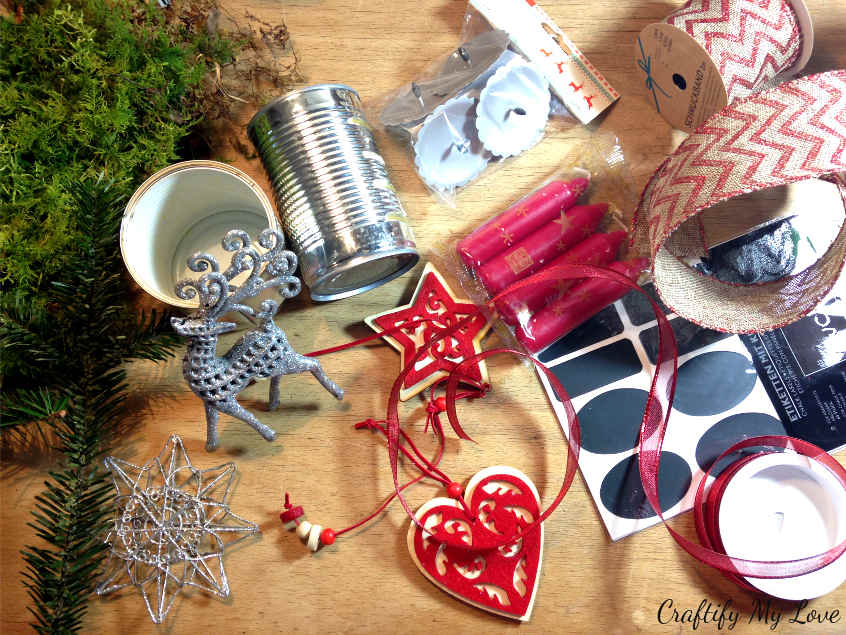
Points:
x=685 y=82
x=709 y=53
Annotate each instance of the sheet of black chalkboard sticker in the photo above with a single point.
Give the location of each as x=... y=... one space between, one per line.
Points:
x=610 y=422
x=690 y=337
x=605 y=324
x=598 y=368
x=638 y=307
x=622 y=491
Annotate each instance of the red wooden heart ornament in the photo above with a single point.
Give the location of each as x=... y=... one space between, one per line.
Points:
x=500 y=579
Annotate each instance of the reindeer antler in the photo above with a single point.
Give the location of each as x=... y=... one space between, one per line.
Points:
x=218 y=295
x=213 y=287
x=281 y=264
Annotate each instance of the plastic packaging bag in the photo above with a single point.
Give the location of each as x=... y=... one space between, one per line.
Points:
x=574 y=216
x=494 y=96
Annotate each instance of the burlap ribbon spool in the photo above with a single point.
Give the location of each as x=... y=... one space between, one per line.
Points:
x=708 y=53
x=786 y=134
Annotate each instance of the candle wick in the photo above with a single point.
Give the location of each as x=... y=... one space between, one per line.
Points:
x=520 y=112
x=459 y=141
x=779 y=518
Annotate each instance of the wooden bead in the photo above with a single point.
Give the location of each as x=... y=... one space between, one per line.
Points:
x=314 y=537
x=303 y=528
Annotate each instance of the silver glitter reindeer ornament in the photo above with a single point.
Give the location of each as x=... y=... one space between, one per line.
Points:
x=263 y=351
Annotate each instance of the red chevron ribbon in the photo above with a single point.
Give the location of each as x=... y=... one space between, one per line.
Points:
x=750 y=41
x=789 y=133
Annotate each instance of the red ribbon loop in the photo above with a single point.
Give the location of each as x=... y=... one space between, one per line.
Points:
x=653 y=429
x=564 y=271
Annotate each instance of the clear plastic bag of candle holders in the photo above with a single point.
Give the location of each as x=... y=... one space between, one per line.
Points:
x=576 y=215
x=495 y=96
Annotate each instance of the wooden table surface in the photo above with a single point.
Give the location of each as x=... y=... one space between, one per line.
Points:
x=367 y=582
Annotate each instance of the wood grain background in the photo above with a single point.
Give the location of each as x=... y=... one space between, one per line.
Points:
x=366 y=582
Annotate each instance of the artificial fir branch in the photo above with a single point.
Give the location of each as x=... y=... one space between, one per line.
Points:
x=92 y=332
x=91 y=86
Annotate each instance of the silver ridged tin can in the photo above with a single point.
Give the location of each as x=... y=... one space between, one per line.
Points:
x=338 y=206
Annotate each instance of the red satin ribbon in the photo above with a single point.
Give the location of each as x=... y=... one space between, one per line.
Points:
x=653 y=429
x=568 y=271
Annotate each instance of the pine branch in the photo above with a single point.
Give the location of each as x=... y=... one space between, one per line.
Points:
x=152 y=337
x=70 y=516
x=30 y=406
x=92 y=332
x=27 y=410
x=25 y=347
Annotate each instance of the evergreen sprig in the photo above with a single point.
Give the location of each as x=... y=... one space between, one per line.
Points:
x=82 y=341
x=90 y=87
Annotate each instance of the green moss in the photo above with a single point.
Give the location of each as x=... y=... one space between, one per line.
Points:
x=87 y=87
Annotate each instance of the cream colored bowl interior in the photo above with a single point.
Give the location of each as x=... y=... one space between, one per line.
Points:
x=185 y=209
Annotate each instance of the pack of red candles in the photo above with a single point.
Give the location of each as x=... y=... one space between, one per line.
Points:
x=572 y=218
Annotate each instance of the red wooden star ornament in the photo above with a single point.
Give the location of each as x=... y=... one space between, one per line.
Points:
x=435 y=301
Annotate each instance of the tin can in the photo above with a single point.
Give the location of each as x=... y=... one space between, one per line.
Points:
x=337 y=204
x=184 y=209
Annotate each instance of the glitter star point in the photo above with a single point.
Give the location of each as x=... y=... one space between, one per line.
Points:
x=434 y=302
x=170 y=529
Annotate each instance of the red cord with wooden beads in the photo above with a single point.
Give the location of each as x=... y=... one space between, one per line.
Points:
x=316 y=536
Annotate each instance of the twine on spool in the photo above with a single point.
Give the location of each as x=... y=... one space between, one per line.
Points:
x=709 y=53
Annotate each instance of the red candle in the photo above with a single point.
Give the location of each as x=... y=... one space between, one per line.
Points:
x=518 y=221
x=540 y=247
x=599 y=249
x=584 y=300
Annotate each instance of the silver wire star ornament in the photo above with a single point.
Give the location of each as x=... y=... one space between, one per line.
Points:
x=171 y=526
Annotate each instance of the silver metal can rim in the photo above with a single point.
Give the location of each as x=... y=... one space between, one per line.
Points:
x=153 y=179
x=411 y=257
x=297 y=93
